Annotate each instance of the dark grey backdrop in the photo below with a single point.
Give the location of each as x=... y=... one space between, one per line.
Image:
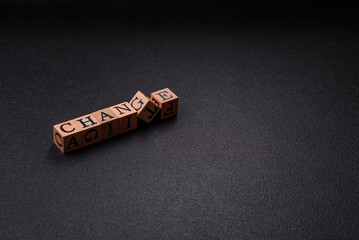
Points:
x=265 y=145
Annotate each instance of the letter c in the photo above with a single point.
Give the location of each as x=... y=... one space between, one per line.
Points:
x=62 y=127
x=57 y=137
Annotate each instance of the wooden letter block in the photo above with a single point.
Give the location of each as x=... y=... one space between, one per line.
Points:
x=67 y=136
x=110 y=123
x=167 y=101
x=127 y=117
x=145 y=107
x=90 y=128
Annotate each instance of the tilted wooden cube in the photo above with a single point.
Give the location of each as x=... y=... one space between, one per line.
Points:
x=67 y=136
x=127 y=117
x=90 y=128
x=145 y=107
x=167 y=101
x=110 y=123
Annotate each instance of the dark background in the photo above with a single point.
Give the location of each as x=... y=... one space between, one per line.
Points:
x=265 y=145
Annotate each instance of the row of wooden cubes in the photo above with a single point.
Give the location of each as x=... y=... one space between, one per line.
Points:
x=115 y=120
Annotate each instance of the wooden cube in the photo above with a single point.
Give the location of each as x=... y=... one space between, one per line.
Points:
x=90 y=128
x=110 y=123
x=167 y=101
x=67 y=136
x=127 y=117
x=145 y=107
